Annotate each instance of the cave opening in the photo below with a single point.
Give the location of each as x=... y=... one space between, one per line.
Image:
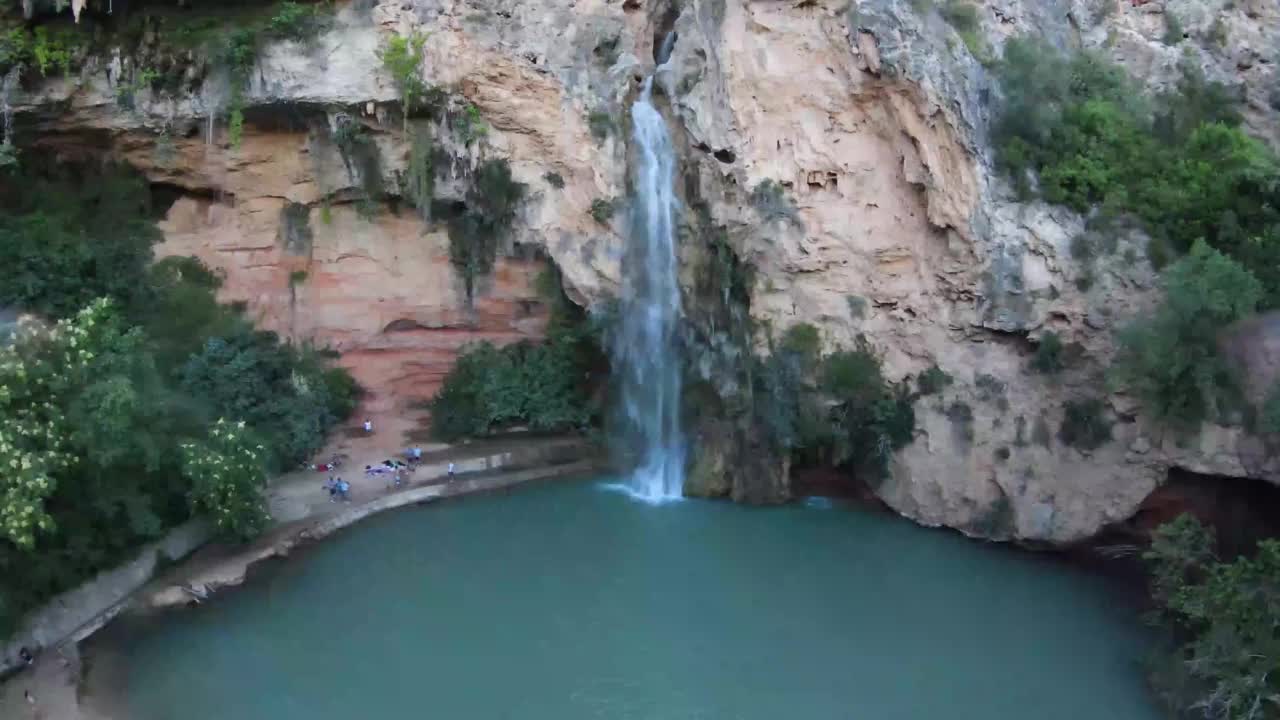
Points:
x=1241 y=512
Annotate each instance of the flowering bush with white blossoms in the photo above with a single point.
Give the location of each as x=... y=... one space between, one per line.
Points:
x=37 y=373
x=227 y=479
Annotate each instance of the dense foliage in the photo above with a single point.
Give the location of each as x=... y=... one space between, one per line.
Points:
x=1170 y=358
x=836 y=409
x=1224 y=618
x=543 y=386
x=109 y=402
x=52 y=266
x=1079 y=130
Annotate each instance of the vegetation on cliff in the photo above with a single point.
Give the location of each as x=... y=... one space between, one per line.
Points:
x=808 y=408
x=1170 y=358
x=1078 y=131
x=1223 y=619
x=836 y=409
x=137 y=400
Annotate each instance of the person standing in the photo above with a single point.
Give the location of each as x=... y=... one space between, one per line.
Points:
x=450 y=470
x=368 y=427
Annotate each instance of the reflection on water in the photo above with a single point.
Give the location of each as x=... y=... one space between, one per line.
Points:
x=569 y=602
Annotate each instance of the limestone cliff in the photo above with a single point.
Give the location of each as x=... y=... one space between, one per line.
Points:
x=872 y=118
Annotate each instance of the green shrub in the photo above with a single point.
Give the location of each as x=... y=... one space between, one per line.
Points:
x=402 y=58
x=602 y=210
x=851 y=417
x=1221 y=616
x=1084 y=424
x=490 y=389
x=960 y=14
x=857 y=306
x=472 y=125
x=770 y=200
x=961 y=417
x=281 y=392
x=991 y=389
x=227 y=480
x=963 y=16
x=871 y=418
x=601 y=124
x=554 y=179
x=933 y=380
x=802 y=339
x=1049 y=358
x=1170 y=359
x=297 y=277
x=297 y=21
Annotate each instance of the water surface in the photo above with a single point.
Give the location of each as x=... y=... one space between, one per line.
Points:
x=568 y=602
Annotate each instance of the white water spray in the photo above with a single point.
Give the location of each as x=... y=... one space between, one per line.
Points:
x=645 y=351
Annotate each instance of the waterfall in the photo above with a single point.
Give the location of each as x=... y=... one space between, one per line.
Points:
x=645 y=353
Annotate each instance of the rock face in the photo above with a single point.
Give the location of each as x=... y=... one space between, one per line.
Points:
x=871 y=119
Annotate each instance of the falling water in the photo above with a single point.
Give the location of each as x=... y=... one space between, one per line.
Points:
x=645 y=348
x=7 y=87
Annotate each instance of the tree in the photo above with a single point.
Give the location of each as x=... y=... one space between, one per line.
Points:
x=402 y=57
x=39 y=375
x=227 y=479
x=1226 y=617
x=1170 y=360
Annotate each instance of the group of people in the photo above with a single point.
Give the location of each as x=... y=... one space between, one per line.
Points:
x=396 y=471
x=339 y=489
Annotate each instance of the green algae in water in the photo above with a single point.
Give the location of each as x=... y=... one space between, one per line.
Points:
x=569 y=602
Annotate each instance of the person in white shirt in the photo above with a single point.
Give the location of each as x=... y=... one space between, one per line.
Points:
x=368 y=427
x=450 y=471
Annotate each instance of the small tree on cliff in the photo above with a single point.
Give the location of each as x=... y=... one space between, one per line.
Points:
x=1170 y=359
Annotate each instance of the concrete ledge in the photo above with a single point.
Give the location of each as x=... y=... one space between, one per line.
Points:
x=193 y=585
